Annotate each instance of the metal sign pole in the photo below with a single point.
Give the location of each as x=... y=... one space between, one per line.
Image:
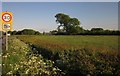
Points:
x=6 y=40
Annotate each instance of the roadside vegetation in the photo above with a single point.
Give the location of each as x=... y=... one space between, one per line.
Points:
x=20 y=60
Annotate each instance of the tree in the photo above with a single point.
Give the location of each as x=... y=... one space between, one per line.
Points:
x=97 y=29
x=63 y=20
x=54 y=32
x=26 y=32
x=68 y=24
x=73 y=26
x=14 y=32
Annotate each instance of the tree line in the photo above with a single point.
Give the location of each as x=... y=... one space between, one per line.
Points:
x=93 y=31
x=24 y=32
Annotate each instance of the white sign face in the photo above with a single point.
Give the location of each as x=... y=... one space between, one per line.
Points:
x=6 y=26
x=6 y=17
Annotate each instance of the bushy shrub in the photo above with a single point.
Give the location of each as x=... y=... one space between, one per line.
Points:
x=85 y=62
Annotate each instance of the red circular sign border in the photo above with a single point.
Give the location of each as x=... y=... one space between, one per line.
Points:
x=10 y=17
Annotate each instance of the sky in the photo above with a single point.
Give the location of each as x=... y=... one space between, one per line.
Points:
x=40 y=15
x=59 y=0
x=119 y=16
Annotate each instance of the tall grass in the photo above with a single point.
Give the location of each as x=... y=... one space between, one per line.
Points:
x=106 y=43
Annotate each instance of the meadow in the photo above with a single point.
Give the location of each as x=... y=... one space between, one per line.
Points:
x=49 y=55
x=106 y=43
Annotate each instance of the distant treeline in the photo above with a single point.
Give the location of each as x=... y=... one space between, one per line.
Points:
x=24 y=32
x=93 y=31
x=100 y=31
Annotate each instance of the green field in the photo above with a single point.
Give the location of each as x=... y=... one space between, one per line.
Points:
x=62 y=55
x=98 y=43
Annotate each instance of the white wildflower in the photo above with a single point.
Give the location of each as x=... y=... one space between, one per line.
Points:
x=9 y=72
x=27 y=71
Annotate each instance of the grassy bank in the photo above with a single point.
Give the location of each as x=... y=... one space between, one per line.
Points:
x=20 y=60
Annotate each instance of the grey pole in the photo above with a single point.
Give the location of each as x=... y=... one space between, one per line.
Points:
x=6 y=40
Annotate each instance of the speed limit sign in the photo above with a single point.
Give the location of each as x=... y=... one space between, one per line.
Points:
x=6 y=17
x=6 y=24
